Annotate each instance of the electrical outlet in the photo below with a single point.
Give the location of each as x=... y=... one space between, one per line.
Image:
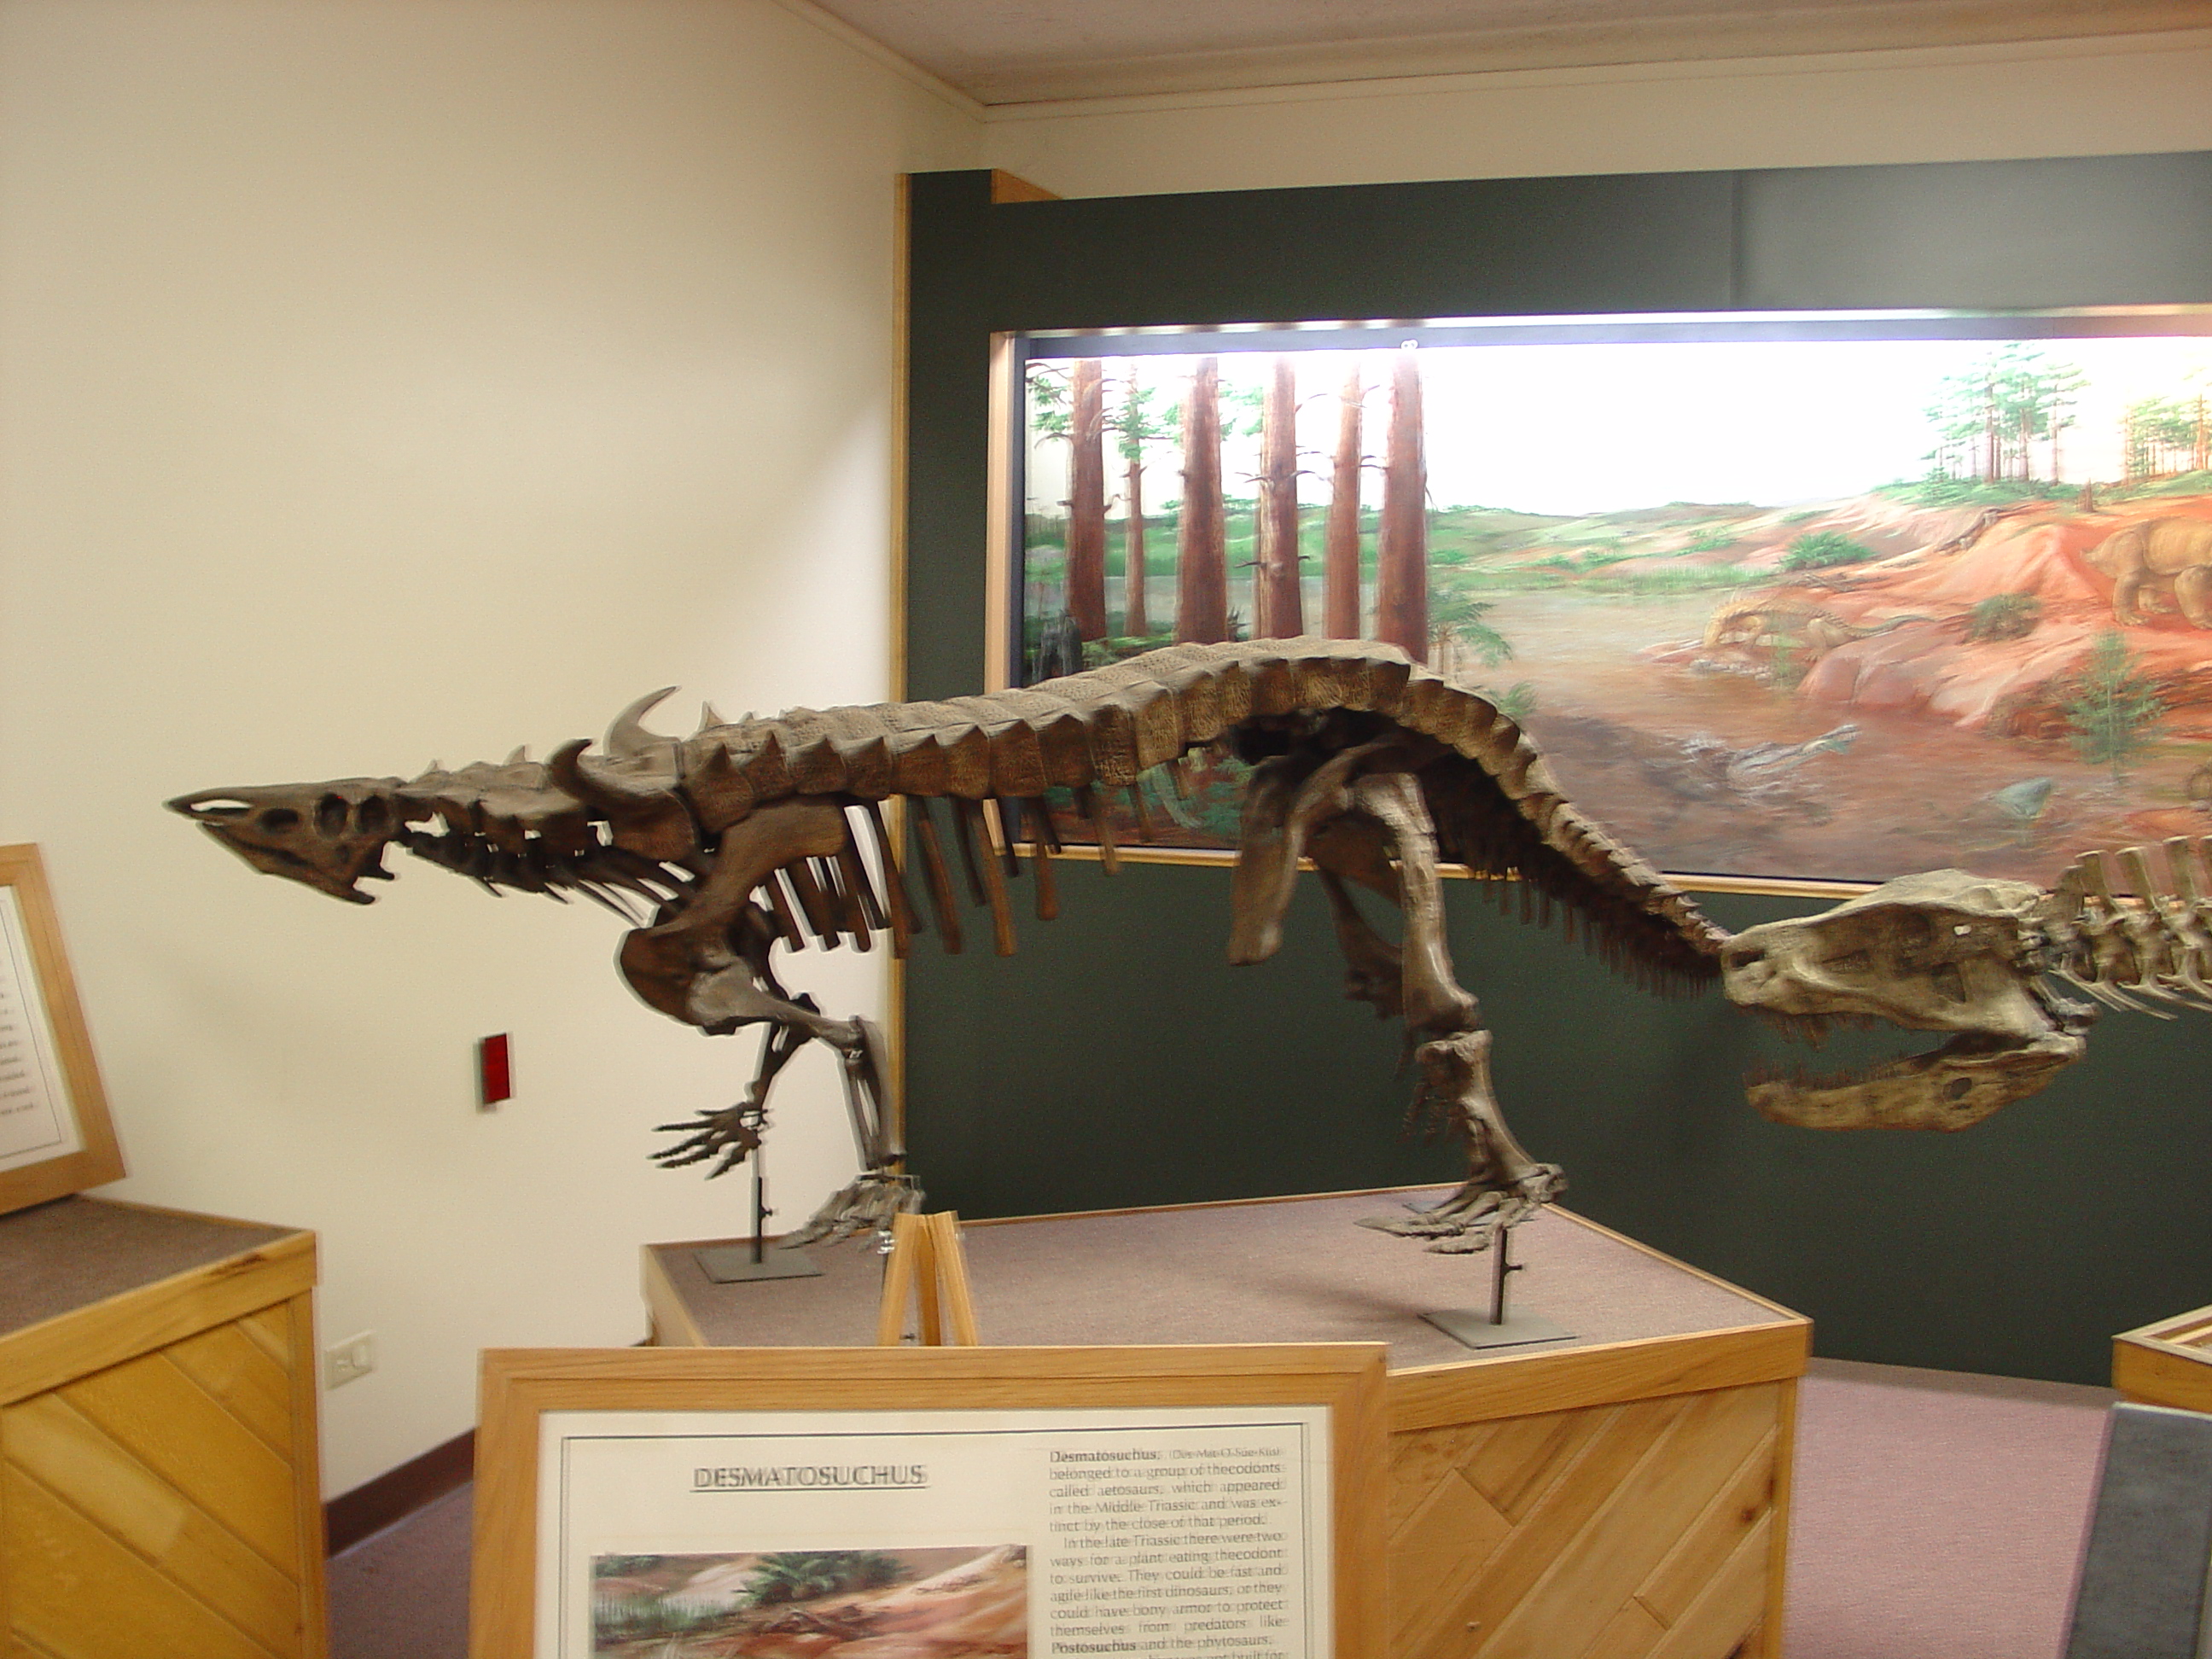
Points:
x=344 y=1362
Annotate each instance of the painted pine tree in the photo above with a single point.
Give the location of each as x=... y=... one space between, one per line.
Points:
x=1279 y=605
x=1086 y=499
x=1138 y=425
x=1402 y=548
x=1201 y=544
x=1340 y=605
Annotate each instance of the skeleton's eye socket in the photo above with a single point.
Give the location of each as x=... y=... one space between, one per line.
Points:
x=374 y=816
x=280 y=817
x=331 y=816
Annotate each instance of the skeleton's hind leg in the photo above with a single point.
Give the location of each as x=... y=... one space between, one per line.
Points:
x=1503 y=1186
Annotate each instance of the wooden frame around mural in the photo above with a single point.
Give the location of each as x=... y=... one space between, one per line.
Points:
x=47 y=1072
x=519 y=1386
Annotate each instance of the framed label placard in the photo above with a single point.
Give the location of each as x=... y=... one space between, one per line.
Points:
x=1014 y=1501
x=55 y=1135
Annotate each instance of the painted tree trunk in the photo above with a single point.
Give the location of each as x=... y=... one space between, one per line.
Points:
x=1086 y=501
x=1278 y=606
x=1202 y=544
x=1135 y=624
x=1340 y=536
x=1402 y=548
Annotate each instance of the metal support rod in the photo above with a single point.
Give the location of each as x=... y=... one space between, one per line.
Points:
x=761 y=1211
x=1499 y=1267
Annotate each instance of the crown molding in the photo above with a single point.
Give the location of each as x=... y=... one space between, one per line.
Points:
x=876 y=52
x=1729 y=31
x=1351 y=86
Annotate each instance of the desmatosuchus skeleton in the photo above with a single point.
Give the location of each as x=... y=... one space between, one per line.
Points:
x=750 y=833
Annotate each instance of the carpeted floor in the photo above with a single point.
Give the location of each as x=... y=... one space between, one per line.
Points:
x=1935 y=1514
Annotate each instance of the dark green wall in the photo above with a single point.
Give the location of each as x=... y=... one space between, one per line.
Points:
x=1118 y=1060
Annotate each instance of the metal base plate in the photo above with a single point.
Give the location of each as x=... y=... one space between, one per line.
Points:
x=1474 y=1328
x=733 y=1264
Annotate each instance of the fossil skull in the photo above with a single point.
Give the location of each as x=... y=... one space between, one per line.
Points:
x=329 y=836
x=1943 y=950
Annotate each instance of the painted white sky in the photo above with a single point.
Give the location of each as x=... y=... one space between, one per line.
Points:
x=1585 y=428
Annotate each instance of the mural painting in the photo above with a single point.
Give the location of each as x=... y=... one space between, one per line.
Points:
x=1831 y=608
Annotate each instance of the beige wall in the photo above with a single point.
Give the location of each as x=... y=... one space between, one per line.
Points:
x=379 y=382
x=2124 y=95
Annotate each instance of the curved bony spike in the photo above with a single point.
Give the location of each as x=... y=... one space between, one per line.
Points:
x=710 y=717
x=2134 y=870
x=2112 y=997
x=2151 y=988
x=521 y=754
x=2180 y=877
x=2094 y=880
x=2068 y=893
x=2189 y=976
x=627 y=739
x=609 y=794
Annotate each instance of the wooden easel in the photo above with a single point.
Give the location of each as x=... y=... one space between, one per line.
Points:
x=926 y=1255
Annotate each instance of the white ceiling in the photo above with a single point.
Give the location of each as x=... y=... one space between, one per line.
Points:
x=1002 y=52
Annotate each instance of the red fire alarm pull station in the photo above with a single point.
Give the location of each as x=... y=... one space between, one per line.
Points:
x=494 y=1081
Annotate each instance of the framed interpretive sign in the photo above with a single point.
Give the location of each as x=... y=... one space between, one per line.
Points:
x=55 y=1136
x=1013 y=1502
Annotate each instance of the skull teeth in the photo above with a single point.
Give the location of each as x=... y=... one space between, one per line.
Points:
x=1813 y=1029
x=1966 y=1048
x=610 y=876
x=1798 y=1077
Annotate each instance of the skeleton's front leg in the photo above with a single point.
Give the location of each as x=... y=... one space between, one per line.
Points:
x=746 y=992
x=883 y=1188
x=1352 y=849
x=1503 y=1186
x=708 y=966
x=734 y=1131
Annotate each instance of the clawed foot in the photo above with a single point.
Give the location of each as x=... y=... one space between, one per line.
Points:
x=1467 y=1221
x=730 y=1134
x=868 y=1204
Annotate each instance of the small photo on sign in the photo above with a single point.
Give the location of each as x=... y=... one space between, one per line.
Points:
x=945 y=1603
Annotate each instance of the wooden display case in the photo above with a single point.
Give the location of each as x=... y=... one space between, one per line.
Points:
x=1623 y=1492
x=2168 y=1362
x=160 y=1490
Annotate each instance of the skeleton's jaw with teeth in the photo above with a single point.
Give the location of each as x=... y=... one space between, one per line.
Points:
x=1941 y=951
x=330 y=836
x=501 y=826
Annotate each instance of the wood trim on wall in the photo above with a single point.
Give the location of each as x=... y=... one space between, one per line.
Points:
x=397 y=1493
x=1010 y=187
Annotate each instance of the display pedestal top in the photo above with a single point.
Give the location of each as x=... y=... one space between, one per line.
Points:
x=1293 y=1270
x=59 y=1257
